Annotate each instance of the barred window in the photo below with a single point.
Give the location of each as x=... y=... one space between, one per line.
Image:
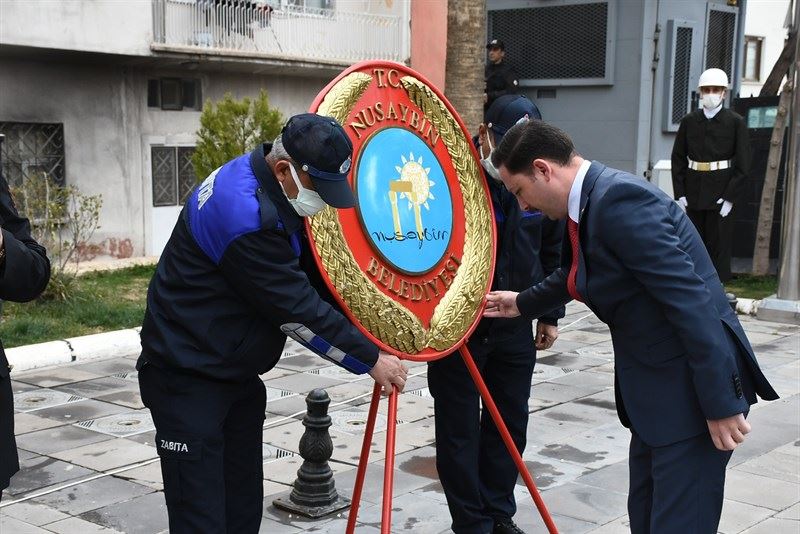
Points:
x=721 y=37
x=172 y=173
x=31 y=148
x=680 y=72
x=566 y=44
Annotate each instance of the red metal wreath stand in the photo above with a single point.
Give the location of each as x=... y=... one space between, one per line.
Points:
x=391 y=428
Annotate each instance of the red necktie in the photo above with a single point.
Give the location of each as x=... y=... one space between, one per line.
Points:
x=572 y=278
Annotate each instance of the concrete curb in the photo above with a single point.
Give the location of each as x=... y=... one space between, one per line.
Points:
x=119 y=343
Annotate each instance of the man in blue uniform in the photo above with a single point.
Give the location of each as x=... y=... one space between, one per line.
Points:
x=227 y=291
x=685 y=374
x=475 y=468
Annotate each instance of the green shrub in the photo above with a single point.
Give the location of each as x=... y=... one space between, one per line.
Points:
x=232 y=128
x=62 y=220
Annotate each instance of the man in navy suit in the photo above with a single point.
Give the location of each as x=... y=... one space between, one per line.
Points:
x=685 y=374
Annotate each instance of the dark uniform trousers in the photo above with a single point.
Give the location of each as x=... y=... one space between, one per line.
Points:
x=715 y=231
x=208 y=434
x=473 y=463
x=9 y=463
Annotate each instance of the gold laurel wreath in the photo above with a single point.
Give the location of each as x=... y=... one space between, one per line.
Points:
x=385 y=318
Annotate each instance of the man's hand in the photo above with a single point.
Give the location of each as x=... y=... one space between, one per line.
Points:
x=501 y=304
x=389 y=371
x=483 y=141
x=546 y=335
x=682 y=203
x=728 y=433
x=726 y=207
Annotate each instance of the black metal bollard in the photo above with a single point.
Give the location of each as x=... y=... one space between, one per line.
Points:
x=732 y=300
x=314 y=494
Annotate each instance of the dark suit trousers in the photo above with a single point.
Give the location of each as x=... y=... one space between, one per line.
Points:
x=716 y=233
x=215 y=483
x=475 y=468
x=678 y=488
x=8 y=447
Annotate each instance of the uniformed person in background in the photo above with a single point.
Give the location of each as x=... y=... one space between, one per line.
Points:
x=475 y=468
x=710 y=162
x=227 y=291
x=24 y=273
x=501 y=78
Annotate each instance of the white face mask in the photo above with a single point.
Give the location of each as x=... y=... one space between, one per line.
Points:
x=487 y=161
x=308 y=202
x=712 y=100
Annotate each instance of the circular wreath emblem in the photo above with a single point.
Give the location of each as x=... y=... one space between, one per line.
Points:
x=410 y=264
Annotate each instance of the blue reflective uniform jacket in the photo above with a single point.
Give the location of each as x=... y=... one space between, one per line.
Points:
x=229 y=288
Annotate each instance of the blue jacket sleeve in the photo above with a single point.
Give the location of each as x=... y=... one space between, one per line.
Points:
x=264 y=270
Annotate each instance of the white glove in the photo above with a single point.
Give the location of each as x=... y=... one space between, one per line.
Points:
x=682 y=203
x=726 y=207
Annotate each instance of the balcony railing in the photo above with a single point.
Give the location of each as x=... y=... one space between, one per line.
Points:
x=295 y=33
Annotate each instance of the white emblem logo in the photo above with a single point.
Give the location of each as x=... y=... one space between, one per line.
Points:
x=175 y=446
x=206 y=189
x=345 y=166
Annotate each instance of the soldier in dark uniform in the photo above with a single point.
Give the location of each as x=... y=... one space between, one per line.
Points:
x=710 y=162
x=24 y=273
x=501 y=79
x=227 y=291
x=475 y=468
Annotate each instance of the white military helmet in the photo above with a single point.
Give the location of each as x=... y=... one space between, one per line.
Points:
x=713 y=78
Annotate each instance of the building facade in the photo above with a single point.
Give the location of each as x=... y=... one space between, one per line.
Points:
x=106 y=94
x=618 y=75
x=765 y=35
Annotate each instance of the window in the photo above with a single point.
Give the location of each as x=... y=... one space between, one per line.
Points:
x=564 y=43
x=173 y=174
x=174 y=94
x=682 y=66
x=32 y=148
x=721 y=37
x=752 y=58
x=763 y=117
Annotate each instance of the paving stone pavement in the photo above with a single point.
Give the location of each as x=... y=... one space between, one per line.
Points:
x=88 y=461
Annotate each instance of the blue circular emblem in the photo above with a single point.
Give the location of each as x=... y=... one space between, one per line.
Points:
x=403 y=200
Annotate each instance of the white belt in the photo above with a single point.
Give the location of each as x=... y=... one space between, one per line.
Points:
x=709 y=165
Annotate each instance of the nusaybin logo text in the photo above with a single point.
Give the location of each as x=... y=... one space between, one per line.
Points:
x=412 y=261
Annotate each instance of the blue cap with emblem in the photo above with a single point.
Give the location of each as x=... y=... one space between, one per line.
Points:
x=322 y=149
x=507 y=111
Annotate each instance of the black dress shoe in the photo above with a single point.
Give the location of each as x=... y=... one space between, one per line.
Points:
x=506 y=527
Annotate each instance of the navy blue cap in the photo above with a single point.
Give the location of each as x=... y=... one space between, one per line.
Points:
x=496 y=43
x=321 y=147
x=506 y=111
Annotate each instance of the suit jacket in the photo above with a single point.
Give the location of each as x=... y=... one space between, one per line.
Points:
x=23 y=275
x=681 y=356
x=723 y=137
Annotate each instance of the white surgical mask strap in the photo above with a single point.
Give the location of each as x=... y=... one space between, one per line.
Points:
x=296 y=179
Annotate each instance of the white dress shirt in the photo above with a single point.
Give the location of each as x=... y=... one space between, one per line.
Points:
x=710 y=114
x=574 y=202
